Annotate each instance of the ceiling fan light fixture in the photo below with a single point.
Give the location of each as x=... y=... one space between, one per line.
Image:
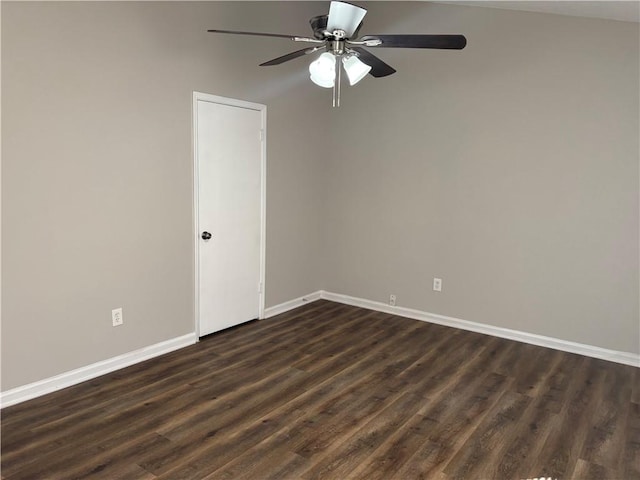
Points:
x=338 y=35
x=356 y=69
x=323 y=70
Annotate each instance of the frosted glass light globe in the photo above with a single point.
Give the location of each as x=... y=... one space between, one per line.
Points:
x=323 y=70
x=355 y=68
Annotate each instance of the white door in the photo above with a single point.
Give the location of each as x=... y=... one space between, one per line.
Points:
x=229 y=162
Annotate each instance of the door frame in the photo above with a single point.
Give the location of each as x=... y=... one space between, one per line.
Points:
x=199 y=96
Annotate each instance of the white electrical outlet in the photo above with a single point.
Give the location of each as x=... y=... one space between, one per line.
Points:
x=437 y=284
x=116 y=317
x=392 y=300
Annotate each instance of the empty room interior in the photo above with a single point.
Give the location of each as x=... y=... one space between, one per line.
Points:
x=210 y=270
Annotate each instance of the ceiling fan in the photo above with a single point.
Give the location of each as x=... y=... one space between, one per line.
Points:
x=336 y=34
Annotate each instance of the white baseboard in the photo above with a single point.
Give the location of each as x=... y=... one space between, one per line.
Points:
x=291 y=304
x=73 y=377
x=625 y=358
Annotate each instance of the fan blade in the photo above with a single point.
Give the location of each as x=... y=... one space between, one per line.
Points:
x=291 y=56
x=378 y=67
x=344 y=16
x=454 y=42
x=319 y=25
x=295 y=38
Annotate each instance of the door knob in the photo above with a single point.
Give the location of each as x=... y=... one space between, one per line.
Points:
x=206 y=235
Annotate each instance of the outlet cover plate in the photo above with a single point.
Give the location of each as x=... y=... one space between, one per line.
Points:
x=116 y=317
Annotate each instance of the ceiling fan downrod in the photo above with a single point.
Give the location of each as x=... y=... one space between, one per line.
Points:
x=336 y=83
x=337 y=48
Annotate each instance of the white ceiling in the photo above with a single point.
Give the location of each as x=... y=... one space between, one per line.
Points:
x=628 y=10
x=624 y=10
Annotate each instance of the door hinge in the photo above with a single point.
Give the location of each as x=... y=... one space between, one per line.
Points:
x=260 y=287
x=262 y=135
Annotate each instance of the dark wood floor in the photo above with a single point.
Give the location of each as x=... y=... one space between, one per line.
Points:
x=335 y=392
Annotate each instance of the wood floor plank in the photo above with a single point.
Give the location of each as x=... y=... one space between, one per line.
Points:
x=360 y=396
x=115 y=431
x=369 y=344
x=425 y=463
x=448 y=394
x=604 y=443
x=190 y=442
x=339 y=429
x=347 y=455
x=592 y=471
x=531 y=380
x=396 y=451
x=517 y=456
x=454 y=425
x=327 y=366
x=564 y=444
x=553 y=395
x=631 y=454
x=96 y=392
x=479 y=452
x=457 y=420
x=269 y=455
x=635 y=386
x=122 y=465
x=334 y=391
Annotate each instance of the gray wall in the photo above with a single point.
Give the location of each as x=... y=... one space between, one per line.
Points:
x=97 y=170
x=509 y=169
